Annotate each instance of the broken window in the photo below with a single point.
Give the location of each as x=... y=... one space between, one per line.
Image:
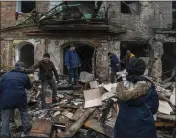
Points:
x=168 y=60
x=130 y=7
x=86 y=8
x=174 y=14
x=71 y=10
x=25 y=6
x=27 y=55
x=140 y=50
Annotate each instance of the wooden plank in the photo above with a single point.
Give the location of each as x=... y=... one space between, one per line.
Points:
x=41 y=126
x=74 y=27
x=95 y=125
x=77 y=114
x=165 y=124
x=86 y=86
x=166 y=117
x=75 y=127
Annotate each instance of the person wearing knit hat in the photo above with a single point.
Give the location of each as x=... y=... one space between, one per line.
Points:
x=12 y=96
x=138 y=102
x=46 y=70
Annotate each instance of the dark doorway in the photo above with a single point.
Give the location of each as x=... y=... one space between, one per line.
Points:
x=27 y=55
x=168 y=59
x=85 y=53
x=174 y=15
x=138 y=49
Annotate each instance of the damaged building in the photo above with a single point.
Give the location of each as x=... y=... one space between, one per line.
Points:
x=95 y=28
x=147 y=28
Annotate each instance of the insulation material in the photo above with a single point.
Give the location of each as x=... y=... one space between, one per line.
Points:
x=173 y=99
x=86 y=77
x=67 y=114
x=94 y=84
x=111 y=87
x=107 y=95
x=92 y=98
x=164 y=107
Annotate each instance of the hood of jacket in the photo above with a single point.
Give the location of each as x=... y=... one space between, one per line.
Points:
x=133 y=93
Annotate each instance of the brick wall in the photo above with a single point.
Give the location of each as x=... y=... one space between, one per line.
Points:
x=8 y=9
x=152 y=14
x=42 y=6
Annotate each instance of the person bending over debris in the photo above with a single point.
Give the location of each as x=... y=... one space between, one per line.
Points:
x=114 y=65
x=72 y=62
x=46 y=69
x=13 y=95
x=137 y=102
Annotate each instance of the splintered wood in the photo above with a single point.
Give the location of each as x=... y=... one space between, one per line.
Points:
x=75 y=127
x=41 y=127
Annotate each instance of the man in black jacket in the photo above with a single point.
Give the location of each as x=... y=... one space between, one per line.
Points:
x=46 y=70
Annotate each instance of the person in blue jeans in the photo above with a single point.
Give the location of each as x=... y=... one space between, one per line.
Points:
x=12 y=96
x=72 y=62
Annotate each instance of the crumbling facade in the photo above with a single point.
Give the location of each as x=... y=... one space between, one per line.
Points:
x=139 y=25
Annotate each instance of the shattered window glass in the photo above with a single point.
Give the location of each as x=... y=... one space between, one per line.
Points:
x=130 y=7
x=74 y=10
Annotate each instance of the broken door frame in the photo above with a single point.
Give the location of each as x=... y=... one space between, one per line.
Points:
x=76 y=42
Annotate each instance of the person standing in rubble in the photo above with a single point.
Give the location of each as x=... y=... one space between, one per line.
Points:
x=72 y=63
x=46 y=70
x=138 y=102
x=128 y=57
x=12 y=96
x=114 y=65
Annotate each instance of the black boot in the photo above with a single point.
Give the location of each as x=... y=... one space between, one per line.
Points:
x=54 y=101
x=43 y=106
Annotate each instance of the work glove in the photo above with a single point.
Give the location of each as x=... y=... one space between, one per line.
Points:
x=27 y=71
x=58 y=81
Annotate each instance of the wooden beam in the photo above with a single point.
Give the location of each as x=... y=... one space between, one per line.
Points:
x=165 y=124
x=41 y=127
x=77 y=27
x=165 y=32
x=166 y=117
x=95 y=125
x=75 y=127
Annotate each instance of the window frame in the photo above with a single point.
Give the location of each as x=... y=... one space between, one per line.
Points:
x=19 y=6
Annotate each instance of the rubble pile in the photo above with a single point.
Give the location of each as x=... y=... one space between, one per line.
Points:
x=91 y=109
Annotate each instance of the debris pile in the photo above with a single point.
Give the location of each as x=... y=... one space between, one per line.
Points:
x=91 y=109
